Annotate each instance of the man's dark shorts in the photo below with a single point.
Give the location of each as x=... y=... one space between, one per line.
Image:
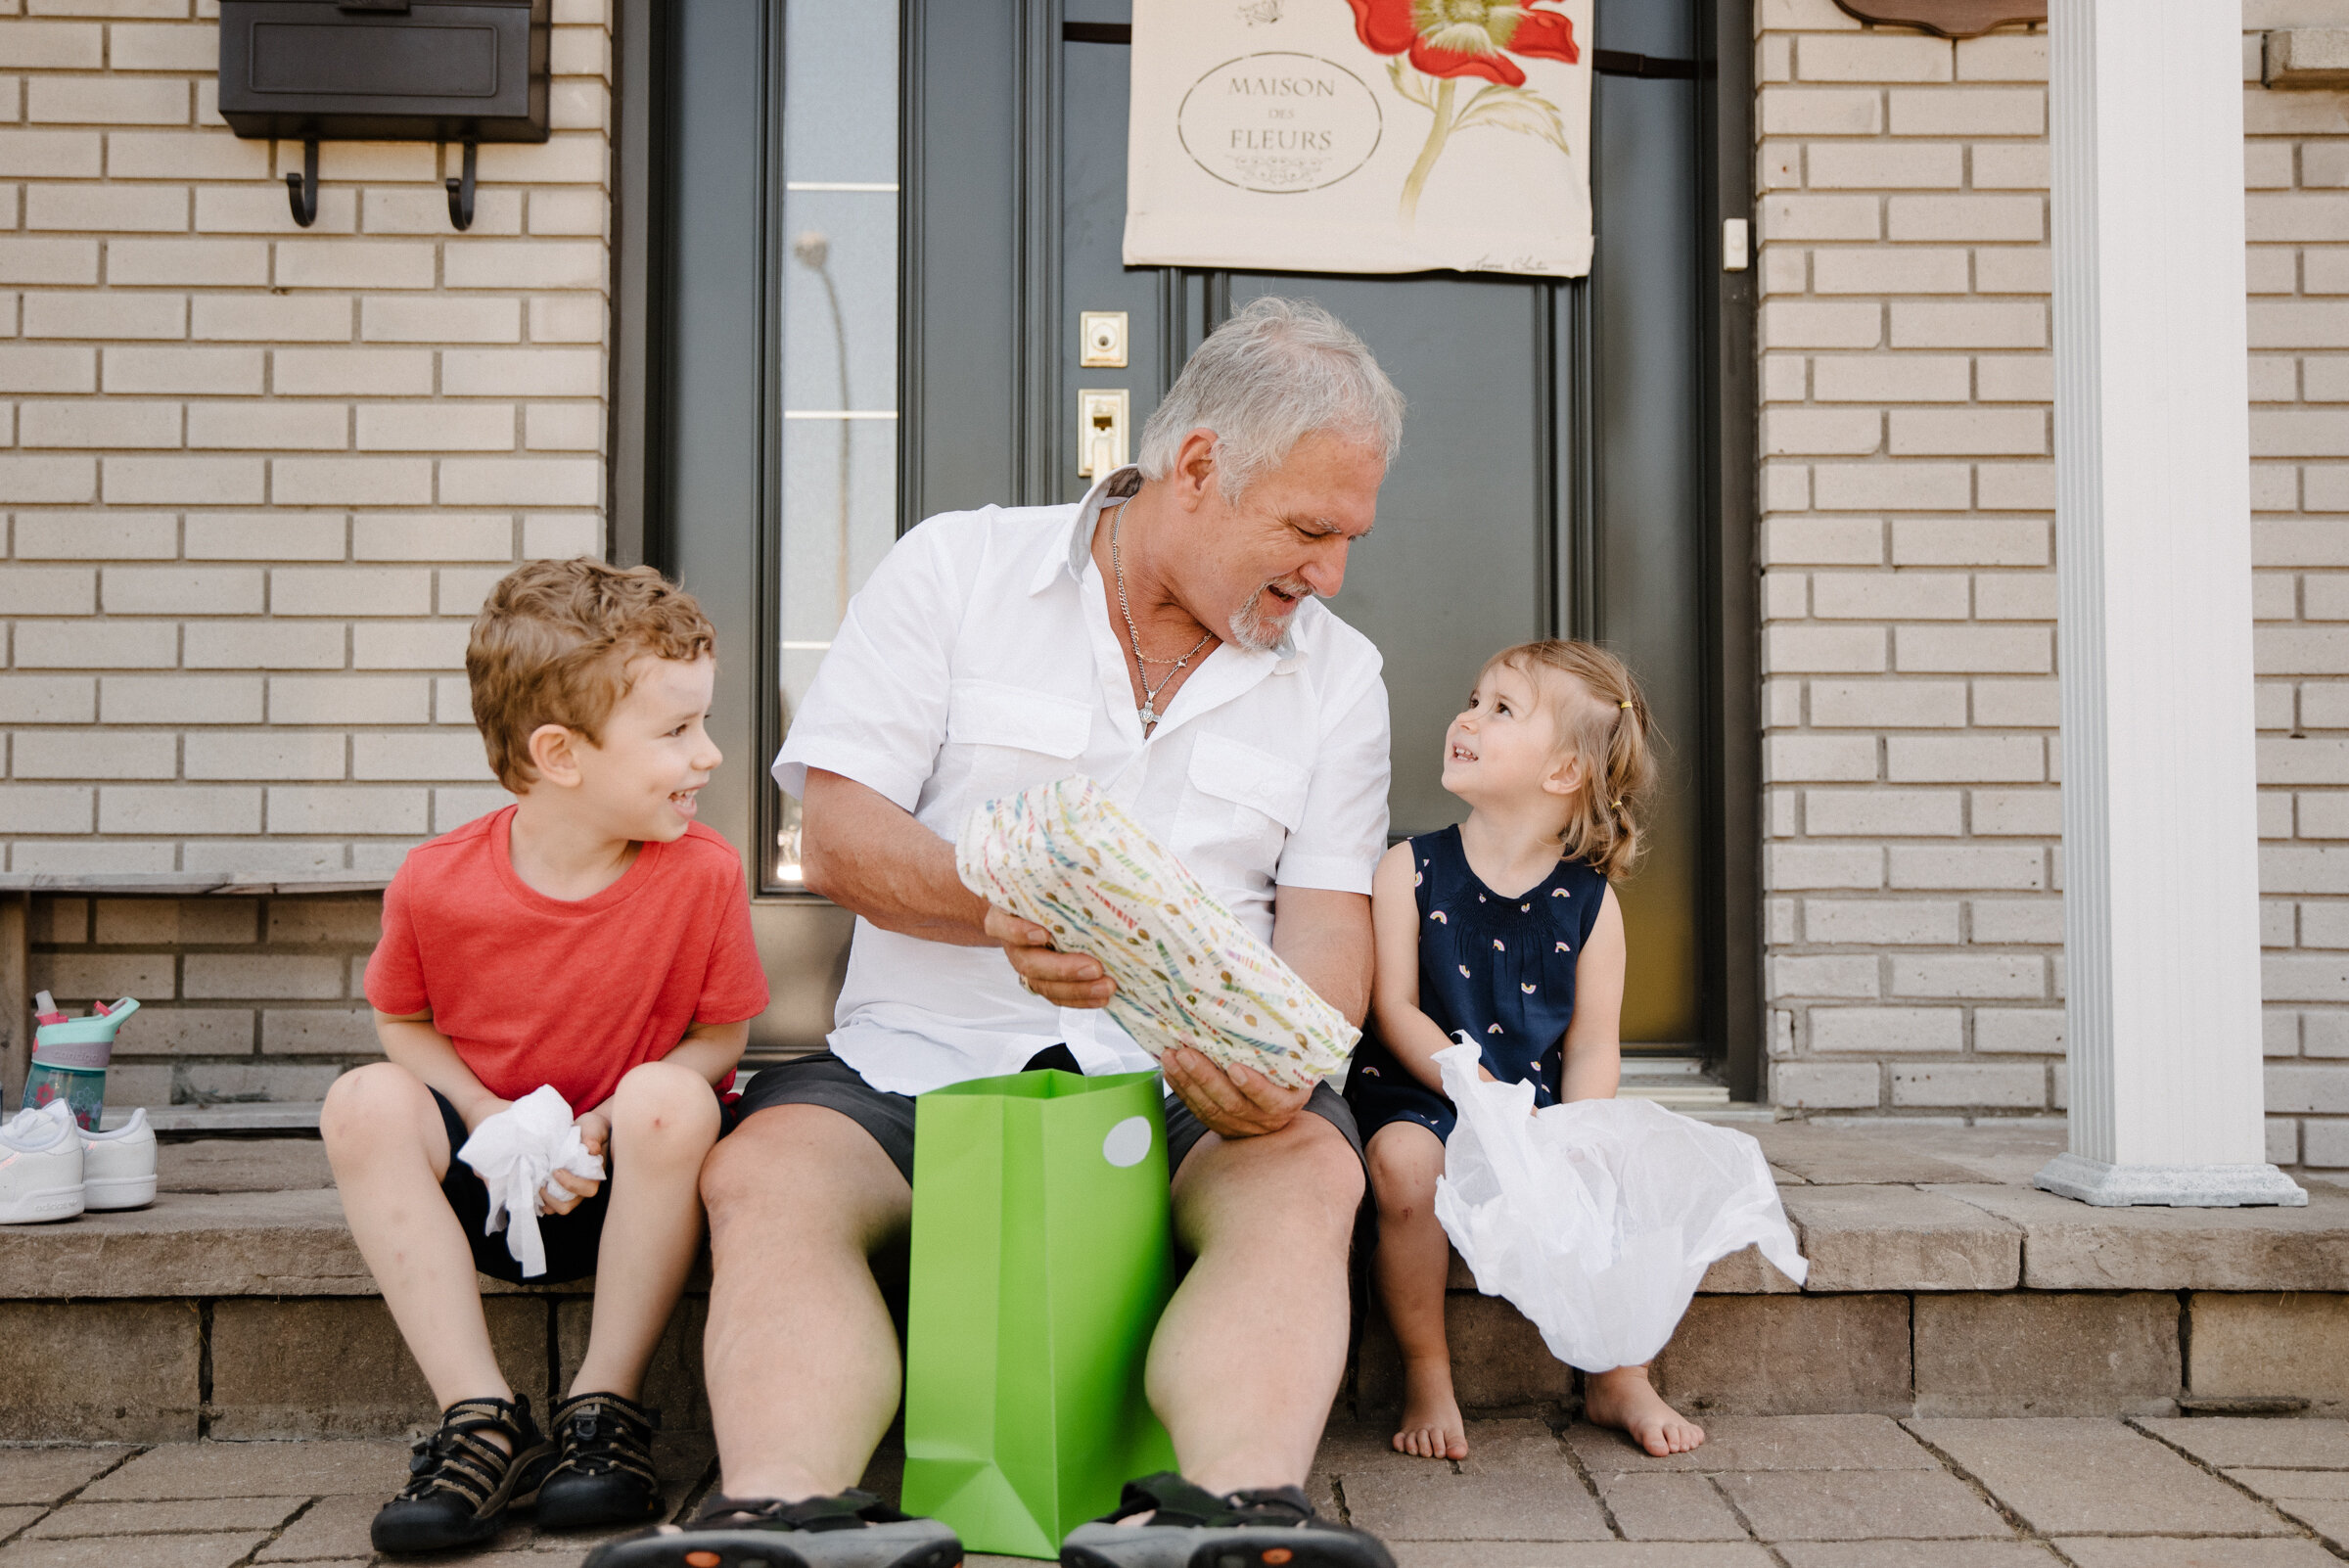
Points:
x=570 y=1238
x=825 y=1080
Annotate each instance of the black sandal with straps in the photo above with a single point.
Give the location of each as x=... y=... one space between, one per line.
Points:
x=460 y=1484
x=603 y=1470
x=853 y=1530
x=1189 y=1527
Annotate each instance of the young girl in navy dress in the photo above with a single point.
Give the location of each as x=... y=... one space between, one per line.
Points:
x=1503 y=926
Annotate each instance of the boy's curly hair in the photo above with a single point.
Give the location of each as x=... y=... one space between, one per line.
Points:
x=553 y=643
x=1603 y=720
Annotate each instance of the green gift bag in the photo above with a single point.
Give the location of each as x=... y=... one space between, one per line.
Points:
x=1041 y=1256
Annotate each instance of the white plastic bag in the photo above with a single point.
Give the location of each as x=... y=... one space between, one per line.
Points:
x=516 y=1153
x=1597 y=1218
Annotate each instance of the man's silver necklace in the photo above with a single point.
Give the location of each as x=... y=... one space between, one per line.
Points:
x=1148 y=711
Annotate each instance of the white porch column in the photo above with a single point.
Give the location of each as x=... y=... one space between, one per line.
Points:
x=2153 y=566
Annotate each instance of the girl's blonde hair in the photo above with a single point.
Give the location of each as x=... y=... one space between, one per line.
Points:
x=1603 y=721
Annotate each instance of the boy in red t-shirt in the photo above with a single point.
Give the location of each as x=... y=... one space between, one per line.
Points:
x=591 y=936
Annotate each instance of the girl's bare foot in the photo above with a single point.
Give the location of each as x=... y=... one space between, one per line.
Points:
x=1624 y=1397
x=1431 y=1427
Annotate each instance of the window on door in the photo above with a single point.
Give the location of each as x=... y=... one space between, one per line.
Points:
x=839 y=283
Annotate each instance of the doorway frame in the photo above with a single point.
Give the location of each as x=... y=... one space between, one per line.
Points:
x=695 y=445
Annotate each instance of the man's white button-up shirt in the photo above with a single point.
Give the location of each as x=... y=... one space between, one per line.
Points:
x=978 y=659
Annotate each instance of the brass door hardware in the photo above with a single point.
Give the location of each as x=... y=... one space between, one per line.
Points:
x=1101 y=340
x=1103 y=421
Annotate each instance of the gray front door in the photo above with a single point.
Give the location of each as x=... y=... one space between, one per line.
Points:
x=1549 y=477
x=1575 y=459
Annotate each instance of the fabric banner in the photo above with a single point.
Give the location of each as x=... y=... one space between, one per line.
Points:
x=1360 y=135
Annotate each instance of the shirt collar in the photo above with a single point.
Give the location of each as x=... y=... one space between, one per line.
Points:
x=1117 y=485
x=1120 y=485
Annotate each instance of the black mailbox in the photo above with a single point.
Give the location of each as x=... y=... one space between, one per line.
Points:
x=429 y=71
x=384 y=71
x=421 y=72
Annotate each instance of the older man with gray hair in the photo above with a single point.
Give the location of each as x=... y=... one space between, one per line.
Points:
x=1162 y=636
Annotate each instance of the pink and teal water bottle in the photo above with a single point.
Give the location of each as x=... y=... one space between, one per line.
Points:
x=69 y=1056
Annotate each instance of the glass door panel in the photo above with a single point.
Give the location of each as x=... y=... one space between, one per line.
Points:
x=839 y=281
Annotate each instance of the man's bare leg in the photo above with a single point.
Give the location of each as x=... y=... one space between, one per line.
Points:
x=1249 y=1353
x=800 y=1356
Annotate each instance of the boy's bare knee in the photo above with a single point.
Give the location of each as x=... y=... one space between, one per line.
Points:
x=370 y=1105
x=663 y=1102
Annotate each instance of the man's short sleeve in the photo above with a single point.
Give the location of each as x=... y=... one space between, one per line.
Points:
x=877 y=711
x=734 y=985
x=1345 y=827
x=394 y=979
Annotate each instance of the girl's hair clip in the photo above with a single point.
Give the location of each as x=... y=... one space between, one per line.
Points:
x=1622 y=704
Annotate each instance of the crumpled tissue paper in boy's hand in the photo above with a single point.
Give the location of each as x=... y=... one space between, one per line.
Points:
x=1065 y=856
x=1597 y=1218
x=516 y=1153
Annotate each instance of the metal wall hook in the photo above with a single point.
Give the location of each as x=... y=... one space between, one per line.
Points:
x=302 y=190
x=460 y=194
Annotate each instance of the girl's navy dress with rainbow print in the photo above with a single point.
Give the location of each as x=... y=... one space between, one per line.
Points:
x=1502 y=969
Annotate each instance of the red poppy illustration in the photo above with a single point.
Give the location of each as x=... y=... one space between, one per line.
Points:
x=1444 y=40
x=1465 y=37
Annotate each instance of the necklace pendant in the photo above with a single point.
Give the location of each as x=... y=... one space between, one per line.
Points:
x=1147 y=713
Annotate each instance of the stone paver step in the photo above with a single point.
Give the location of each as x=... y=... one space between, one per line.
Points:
x=259 y=1217
x=237 y=1306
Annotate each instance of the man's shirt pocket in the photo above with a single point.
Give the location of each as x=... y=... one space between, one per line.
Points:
x=1002 y=738
x=1239 y=805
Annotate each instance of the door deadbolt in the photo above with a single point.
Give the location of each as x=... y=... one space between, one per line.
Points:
x=1101 y=340
x=1102 y=420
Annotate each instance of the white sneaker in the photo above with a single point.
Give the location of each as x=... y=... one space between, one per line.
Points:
x=40 y=1167
x=117 y=1168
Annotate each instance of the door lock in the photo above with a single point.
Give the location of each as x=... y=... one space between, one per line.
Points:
x=1102 y=421
x=1101 y=340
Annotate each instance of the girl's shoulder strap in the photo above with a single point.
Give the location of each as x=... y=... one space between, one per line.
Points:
x=1590 y=885
x=1574 y=893
x=1436 y=863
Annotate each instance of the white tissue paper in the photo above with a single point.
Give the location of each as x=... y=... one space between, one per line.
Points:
x=516 y=1153
x=1596 y=1218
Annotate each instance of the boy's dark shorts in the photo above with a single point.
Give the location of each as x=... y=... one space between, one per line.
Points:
x=823 y=1079
x=570 y=1238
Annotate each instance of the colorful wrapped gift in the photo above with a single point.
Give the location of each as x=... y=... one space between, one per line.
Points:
x=1068 y=857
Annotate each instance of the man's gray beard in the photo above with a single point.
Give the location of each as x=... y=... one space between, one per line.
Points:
x=1255 y=631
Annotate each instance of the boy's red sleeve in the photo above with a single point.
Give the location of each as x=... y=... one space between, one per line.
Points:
x=734 y=985
x=395 y=981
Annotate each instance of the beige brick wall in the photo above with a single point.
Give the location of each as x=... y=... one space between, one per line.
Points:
x=240 y=998
x=1914 y=917
x=255 y=478
x=2296 y=210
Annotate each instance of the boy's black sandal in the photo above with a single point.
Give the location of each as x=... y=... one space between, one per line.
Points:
x=603 y=1471
x=1189 y=1527
x=460 y=1484
x=854 y=1530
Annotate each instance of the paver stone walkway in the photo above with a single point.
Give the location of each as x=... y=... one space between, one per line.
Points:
x=1806 y=1492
